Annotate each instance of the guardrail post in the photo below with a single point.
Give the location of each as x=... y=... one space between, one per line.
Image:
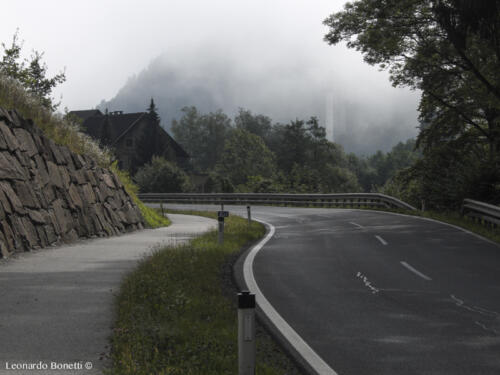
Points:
x=249 y=213
x=221 y=230
x=161 y=206
x=246 y=333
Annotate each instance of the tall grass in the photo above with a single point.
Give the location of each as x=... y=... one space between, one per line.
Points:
x=152 y=217
x=172 y=315
x=61 y=130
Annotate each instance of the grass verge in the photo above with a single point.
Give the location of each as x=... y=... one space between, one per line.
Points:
x=455 y=218
x=174 y=315
x=152 y=217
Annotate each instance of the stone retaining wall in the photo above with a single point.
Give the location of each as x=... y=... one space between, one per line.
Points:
x=49 y=194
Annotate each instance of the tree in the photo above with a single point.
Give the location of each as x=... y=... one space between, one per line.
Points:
x=202 y=136
x=217 y=183
x=148 y=142
x=188 y=131
x=161 y=176
x=153 y=112
x=256 y=124
x=32 y=76
x=245 y=155
x=292 y=144
x=450 y=51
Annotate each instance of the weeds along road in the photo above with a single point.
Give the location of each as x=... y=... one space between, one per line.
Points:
x=380 y=293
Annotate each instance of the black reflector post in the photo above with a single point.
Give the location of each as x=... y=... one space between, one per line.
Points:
x=249 y=213
x=246 y=333
x=221 y=230
x=221 y=215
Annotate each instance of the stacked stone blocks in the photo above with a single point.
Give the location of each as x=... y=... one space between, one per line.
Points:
x=49 y=194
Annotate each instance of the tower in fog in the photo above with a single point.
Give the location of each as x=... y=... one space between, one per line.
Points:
x=329 y=116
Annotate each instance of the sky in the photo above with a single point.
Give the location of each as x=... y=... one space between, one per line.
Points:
x=271 y=54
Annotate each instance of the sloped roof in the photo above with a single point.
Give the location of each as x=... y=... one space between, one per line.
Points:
x=85 y=114
x=117 y=125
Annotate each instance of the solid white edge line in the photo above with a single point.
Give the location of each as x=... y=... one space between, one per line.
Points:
x=304 y=350
x=382 y=241
x=415 y=271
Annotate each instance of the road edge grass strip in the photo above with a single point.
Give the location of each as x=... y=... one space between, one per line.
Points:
x=173 y=315
x=464 y=222
x=269 y=344
x=453 y=218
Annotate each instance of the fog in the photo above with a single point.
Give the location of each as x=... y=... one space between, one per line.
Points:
x=361 y=113
x=268 y=57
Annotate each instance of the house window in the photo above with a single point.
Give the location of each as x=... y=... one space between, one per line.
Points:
x=129 y=142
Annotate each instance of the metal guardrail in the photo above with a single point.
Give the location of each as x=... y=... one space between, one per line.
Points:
x=484 y=213
x=354 y=200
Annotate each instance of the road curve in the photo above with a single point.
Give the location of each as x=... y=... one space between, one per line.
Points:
x=56 y=303
x=380 y=293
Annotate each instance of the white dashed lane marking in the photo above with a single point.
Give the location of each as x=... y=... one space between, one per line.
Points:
x=356 y=224
x=382 y=241
x=415 y=271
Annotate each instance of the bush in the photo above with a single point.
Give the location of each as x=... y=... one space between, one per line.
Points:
x=162 y=176
x=217 y=183
x=259 y=184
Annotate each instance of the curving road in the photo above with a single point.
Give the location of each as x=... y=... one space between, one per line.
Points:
x=379 y=293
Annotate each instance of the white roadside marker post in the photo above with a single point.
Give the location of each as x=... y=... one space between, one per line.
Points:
x=249 y=213
x=246 y=333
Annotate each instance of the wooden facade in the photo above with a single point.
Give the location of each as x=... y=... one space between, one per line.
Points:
x=134 y=137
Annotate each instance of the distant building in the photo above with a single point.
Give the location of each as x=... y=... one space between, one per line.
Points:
x=134 y=137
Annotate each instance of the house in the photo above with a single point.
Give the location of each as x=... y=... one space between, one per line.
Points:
x=134 y=137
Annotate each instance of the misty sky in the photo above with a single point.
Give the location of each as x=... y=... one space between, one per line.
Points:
x=270 y=54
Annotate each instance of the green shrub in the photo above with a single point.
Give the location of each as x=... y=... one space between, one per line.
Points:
x=162 y=176
x=217 y=183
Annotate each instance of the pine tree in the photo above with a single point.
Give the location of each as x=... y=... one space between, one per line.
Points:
x=153 y=112
x=148 y=143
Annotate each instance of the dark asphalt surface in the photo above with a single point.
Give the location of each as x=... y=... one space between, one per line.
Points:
x=347 y=293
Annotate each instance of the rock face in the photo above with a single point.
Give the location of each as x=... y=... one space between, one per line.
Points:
x=49 y=194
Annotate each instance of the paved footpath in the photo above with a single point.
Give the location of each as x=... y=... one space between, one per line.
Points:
x=56 y=304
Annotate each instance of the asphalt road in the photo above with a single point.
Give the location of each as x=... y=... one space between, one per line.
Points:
x=379 y=293
x=56 y=304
